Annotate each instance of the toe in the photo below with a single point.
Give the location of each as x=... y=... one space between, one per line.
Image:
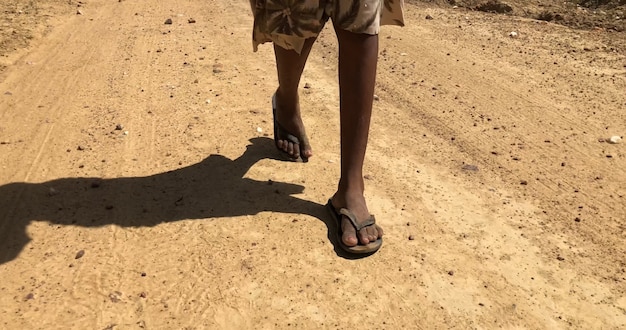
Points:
x=364 y=236
x=373 y=232
x=349 y=234
x=296 y=150
x=283 y=145
x=379 y=231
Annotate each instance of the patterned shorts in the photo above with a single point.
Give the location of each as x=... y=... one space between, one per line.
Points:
x=287 y=23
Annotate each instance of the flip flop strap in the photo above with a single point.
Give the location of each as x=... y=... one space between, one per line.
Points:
x=368 y=222
x=285 y=135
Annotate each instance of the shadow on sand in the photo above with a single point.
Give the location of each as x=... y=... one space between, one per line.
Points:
x=212 y=188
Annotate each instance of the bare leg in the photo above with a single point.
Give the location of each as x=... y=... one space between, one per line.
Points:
x=358 y=56
x=290 y=66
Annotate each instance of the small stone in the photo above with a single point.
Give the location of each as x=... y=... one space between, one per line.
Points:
x=191 y=21
x=115 y=296
x=168 y=21
x=307 y=86
x=559 y=258
x=29 y=296
x=79 y=254
x=429 y=17
x=143 y=274
x=376 y=98
x=577 y=219
x=451 y=273
x=523 y=182
x=143 y=295
x=79 y=12
x=119 y=127
x=259 y=130
x=513 y=34
x=411 y=237
x=615 y=139
x=80 y=148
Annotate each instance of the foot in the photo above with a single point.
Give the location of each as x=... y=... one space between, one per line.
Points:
x=355 y=202
x=291 y=121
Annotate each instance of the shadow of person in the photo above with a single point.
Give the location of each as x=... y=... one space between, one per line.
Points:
x=212 y=188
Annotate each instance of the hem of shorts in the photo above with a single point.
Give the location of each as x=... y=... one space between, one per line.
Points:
x=268 y=38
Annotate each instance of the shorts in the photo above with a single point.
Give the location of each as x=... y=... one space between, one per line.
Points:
x=287 y=23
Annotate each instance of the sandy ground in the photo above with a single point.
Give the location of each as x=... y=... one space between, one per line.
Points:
x=139 y=186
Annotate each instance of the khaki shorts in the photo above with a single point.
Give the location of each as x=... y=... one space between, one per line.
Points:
x=287 y=23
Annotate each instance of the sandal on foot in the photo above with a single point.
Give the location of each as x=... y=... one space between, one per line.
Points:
x=369 y=248
x=282 y=134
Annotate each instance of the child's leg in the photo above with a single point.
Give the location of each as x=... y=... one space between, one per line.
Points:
x=290 y=65
x=358 y=56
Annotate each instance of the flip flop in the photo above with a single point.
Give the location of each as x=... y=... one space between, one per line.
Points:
x=282 y=134
x=359 y=248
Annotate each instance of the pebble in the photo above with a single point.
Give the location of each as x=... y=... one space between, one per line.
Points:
x=79 y=12
x=376 y=98
x=615 y=139
x=80 y=254
x=523 y=182
x=119 y=127
x=428 y=17
x=259 y=130
x=29 y=296
x=115 y=296
x=307 y=85
x=411 y=237
x=168 y=21
x=191 y=21
x=513 y=34
x=451 y=273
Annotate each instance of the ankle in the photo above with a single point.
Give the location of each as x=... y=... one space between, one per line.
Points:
x=354 y=186
x=287 y=95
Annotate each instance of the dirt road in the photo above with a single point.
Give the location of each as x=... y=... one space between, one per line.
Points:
x=139 y=186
